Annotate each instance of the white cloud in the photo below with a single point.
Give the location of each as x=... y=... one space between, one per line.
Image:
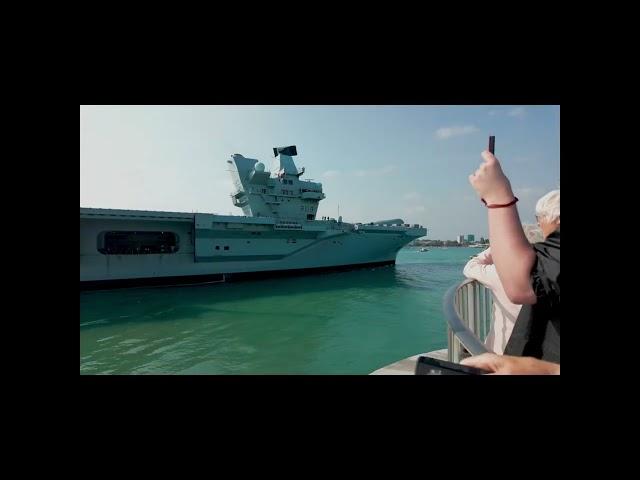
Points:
x=448 y=132
x=376 y=171
x=416 y=209
x=412 y=196
x=517 y=112
x=526 y=192
x=331 y=173
x=225 y=185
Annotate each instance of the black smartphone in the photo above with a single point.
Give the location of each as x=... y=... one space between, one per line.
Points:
x=432 y=366
x=492 y=144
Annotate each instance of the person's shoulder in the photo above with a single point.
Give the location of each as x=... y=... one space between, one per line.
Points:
x=551 y=242
x=546 y=271
x=472 y=266
x=484 y=273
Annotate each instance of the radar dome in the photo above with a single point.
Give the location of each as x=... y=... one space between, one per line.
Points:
x=259 y=167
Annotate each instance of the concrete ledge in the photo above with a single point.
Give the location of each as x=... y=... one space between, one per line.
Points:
x=408 y=365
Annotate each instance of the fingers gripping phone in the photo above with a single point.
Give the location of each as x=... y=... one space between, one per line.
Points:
x=431 y=366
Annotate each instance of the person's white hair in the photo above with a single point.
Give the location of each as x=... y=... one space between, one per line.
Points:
x=533 y=233
x=548 y=207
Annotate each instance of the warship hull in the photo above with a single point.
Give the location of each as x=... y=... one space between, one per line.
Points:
x=166 y=248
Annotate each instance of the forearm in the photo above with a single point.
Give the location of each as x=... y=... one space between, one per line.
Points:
x=510 y=365
x=530 y=366
x=550 y=367
x=512 y=254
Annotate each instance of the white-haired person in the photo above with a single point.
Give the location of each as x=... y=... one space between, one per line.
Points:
x=530 y=274
x=482 y=269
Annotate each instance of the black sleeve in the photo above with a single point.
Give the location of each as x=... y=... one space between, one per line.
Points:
x=546 y=271
x=536 y=332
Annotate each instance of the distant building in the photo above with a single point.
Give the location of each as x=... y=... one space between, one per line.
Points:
x=460 y=238
x=471 y=238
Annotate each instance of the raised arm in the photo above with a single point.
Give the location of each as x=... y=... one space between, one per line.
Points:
x=512 y=253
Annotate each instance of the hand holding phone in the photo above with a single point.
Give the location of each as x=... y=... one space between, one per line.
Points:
x=432 y=366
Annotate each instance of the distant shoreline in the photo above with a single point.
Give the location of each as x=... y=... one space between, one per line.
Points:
x=445 y=243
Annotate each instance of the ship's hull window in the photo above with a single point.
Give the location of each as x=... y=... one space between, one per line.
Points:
x=137 y=243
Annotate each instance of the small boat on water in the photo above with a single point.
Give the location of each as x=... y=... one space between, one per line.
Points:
x=424 y=249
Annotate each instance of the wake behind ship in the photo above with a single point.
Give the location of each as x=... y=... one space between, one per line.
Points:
x=278 y=234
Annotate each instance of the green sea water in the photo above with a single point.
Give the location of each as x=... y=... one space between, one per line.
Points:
x=334 y=323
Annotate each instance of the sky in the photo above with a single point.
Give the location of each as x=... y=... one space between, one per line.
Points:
x=374 y=162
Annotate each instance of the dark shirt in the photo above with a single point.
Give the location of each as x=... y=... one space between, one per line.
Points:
x=536 y=332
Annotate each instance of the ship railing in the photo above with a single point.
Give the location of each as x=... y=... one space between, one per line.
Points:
x=468 y=309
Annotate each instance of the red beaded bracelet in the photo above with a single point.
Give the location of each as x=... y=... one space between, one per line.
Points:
x=515 y=199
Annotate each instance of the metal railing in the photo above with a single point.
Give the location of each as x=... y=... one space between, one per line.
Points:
x=468 y=308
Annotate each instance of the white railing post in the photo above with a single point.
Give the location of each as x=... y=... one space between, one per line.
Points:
x=469 y=310
x=472 y=313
